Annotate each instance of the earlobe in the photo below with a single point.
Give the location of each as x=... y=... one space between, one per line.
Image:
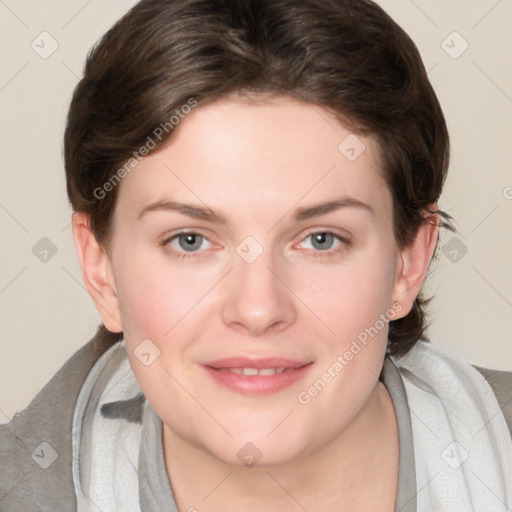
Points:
x=95 y=266
x=413 y=263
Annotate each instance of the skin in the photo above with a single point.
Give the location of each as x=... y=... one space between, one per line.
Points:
x=257 y=162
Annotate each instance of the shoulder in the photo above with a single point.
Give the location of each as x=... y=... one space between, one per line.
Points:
x=501 y=384
x=35 y=446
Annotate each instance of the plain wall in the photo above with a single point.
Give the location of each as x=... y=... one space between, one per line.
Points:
x=46 y=313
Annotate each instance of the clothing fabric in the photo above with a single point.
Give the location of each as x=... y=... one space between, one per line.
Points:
x=462 y=445
x=93 y=409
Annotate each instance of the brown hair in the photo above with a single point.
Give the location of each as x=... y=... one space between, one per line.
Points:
x=347 y=56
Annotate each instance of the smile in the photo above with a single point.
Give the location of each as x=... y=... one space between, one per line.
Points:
x=255 y=371
x=256 y=381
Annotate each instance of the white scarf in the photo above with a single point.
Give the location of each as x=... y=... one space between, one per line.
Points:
x=462 y=445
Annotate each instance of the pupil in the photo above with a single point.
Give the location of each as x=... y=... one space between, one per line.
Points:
x=190 y=241
x=323 y=240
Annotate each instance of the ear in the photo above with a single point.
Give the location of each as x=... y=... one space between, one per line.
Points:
x=413 y=262
x=97 y=272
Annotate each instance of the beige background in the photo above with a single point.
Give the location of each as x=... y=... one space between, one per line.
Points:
x=46 y=314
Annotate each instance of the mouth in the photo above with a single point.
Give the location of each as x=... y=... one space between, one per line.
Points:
x=255 y=371
x=256 y=376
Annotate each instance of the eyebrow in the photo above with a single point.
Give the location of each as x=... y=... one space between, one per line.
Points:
x=300 y=214
x=317 y=210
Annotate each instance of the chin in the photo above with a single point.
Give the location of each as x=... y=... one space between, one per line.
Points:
x=258 y=452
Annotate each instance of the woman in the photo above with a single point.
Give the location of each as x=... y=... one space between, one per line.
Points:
x=255 y=190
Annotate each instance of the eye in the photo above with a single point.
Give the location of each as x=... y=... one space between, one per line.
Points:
x=186 y=244
x=324 y=241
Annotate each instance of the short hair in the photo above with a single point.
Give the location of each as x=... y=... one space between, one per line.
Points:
x=347 y=56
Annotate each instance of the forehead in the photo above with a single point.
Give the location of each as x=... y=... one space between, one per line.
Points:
x=252 y=155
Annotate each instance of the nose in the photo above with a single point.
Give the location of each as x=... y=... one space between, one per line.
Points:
x=259 y=299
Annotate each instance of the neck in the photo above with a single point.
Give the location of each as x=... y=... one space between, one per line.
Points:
x=356 y=470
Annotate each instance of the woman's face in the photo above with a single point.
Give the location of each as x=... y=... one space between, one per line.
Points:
x=261 y=231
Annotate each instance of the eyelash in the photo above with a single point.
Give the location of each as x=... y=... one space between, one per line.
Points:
x=330 y=252
x=344 y=243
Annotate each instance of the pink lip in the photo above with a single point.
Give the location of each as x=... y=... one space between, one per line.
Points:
x=247 y=362
x=256 y=384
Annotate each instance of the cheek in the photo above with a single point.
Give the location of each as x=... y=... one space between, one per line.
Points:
x=355 y=304
x=153 y=296
x=352 y=297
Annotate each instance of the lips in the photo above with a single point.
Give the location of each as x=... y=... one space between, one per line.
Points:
x=256 y=371
x=256 y=376
x=258 y=364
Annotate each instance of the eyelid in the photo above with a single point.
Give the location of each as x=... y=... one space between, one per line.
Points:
x=168 y=238
x=341 y=235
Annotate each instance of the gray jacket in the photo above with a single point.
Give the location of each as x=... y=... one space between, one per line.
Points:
x=26 y=485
